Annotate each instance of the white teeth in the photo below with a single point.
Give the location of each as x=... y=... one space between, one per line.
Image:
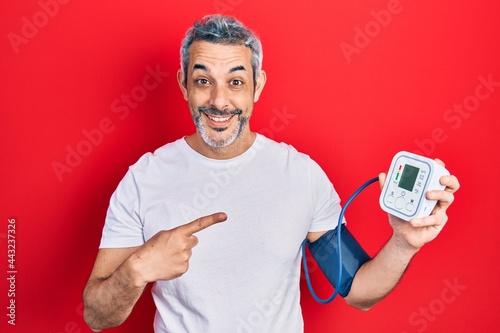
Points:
x=220 y=120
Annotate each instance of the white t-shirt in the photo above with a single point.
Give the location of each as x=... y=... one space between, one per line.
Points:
x=244 y=273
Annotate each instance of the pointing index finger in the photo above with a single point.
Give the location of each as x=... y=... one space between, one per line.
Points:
x=202 y=223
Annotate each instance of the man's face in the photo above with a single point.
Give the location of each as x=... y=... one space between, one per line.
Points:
x=220 y=91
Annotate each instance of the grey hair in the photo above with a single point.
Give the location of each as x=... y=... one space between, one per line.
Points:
x=219 y=29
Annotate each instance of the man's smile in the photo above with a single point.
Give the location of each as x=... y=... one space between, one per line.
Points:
x=218 y=119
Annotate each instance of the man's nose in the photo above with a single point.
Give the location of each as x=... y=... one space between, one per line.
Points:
x=219 y=97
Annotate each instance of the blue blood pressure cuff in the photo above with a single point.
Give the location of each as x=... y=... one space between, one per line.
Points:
x=325 y=251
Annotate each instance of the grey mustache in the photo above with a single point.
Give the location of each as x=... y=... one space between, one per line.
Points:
x=217 y=112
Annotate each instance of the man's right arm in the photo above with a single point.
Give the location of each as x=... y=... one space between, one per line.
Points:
x=111 y=291
x=120 y=275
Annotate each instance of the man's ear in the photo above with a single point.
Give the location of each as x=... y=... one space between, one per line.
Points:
x=259 y=85
x=182 y=83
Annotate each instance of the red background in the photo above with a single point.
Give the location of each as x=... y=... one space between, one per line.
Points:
x=61 y=72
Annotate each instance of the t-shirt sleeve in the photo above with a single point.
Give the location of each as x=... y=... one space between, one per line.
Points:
x=326 y=201
x=123 y=226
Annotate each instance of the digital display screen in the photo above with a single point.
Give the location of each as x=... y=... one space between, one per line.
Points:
x=408 y=177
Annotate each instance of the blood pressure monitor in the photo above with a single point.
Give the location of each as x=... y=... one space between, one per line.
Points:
x=409 y=178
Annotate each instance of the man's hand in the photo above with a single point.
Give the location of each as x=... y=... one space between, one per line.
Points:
x=377 y=277
x=166 y=255
x=420 y=231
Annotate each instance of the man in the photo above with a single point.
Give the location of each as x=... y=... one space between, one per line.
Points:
x=251 y=201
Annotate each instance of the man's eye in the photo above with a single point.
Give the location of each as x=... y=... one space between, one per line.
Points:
x=236 y=82
x=202 y=81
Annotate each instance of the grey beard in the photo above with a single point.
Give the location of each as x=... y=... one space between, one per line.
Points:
x=219 y=143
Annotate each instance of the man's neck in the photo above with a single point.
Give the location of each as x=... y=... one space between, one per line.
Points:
x=238 y=147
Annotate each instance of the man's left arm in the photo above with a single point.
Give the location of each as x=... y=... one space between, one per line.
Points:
x=377 y=277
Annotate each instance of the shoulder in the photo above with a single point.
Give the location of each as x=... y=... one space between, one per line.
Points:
x=281 y=149
x=164 y=155
x=293 y=159
x=287 y=154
